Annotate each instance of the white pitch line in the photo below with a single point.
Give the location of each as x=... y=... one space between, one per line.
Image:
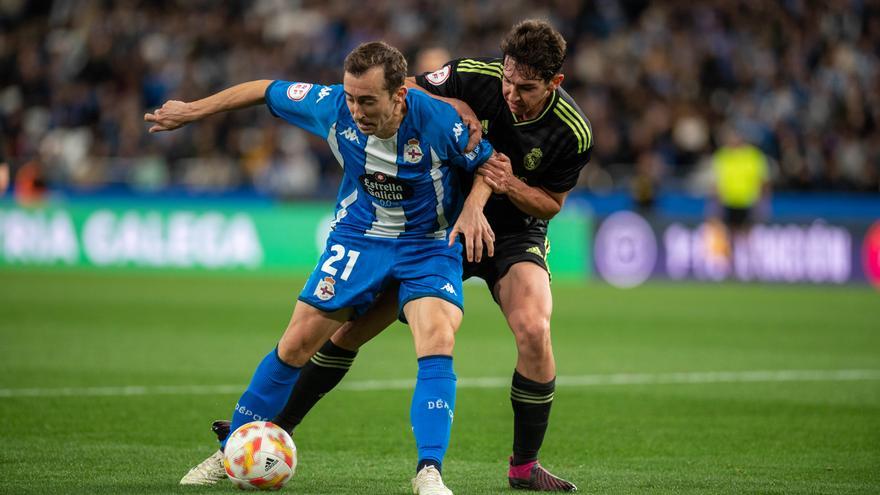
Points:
x=484 y=382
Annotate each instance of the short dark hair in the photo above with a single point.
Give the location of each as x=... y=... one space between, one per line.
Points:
x=376 y=54
x=536 y=48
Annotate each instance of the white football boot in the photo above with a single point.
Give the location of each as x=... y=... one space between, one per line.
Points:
x=429 y=482
x=208 y=472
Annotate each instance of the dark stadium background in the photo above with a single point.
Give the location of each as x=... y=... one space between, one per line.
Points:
x=658 y=80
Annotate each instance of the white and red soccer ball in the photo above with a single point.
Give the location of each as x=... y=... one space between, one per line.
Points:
x=259 y=456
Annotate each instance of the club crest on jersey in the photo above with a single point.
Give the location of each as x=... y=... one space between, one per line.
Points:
x=439 y=77
x=412 y=153
x=298 y=91
x=326 y=289
x=533 y=159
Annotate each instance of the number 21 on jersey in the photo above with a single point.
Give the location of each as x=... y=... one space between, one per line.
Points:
x=338 y=254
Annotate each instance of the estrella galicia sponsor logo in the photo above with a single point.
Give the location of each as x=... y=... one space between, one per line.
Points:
x=386 y=188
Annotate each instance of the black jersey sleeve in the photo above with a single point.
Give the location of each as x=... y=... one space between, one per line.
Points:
x=563 y=176
x=475 y=81
x=576 y=137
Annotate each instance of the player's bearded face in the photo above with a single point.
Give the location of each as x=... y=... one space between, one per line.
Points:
x=375 y=110
x=525 y=96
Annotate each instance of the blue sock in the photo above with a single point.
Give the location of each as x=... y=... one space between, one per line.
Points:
x=432 y=409
x=267 y=393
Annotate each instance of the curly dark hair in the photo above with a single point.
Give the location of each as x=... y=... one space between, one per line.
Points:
x=536 y=48
x=378 y=54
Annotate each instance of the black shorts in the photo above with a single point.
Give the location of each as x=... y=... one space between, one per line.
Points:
x=510 y=248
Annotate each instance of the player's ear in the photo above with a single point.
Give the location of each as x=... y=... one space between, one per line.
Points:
x=400 y=94
x=555 y=81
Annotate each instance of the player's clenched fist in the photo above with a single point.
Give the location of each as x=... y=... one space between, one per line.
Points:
x=172 y=115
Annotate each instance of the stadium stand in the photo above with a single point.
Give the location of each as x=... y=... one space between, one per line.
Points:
x=657 y=79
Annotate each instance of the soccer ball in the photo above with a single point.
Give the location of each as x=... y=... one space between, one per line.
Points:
x=259 y=456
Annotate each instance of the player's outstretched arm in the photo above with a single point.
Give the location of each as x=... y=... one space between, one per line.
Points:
x=472 y=223
x=467 y=114
x=175 y=114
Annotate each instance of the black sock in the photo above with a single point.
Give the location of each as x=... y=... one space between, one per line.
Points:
x=323 y=372
x=429 y=462
x=531 y=411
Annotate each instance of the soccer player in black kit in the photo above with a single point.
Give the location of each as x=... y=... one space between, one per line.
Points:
x=526 y=115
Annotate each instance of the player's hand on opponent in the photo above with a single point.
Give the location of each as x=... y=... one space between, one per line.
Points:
x=477 y=233
x=498 y=173
x=172 y=115
x=469 y=118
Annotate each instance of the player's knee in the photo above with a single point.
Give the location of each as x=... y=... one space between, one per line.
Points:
x=436 y=342
x=347 y=341
x=444 y=342
x=532 y=332
x=350 y=337
x=295 y=352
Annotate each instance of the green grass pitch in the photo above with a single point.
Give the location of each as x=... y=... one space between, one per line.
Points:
x=623 y=421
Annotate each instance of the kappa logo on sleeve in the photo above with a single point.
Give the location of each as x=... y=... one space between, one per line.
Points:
x=457 y=130
x=439 y=77
x=351 y=135
x=323 y=93
x=298 y=91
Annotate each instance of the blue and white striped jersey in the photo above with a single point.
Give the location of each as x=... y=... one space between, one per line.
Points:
x=403 y=186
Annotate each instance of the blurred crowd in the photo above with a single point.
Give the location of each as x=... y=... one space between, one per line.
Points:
x=659 y=80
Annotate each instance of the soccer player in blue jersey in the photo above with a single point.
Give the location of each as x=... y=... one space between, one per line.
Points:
x=401 y=152
x=521 y=109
